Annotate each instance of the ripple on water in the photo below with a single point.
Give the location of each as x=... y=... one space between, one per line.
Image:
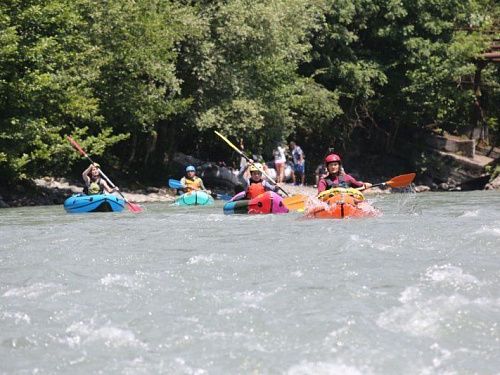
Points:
x=88 y=332
x=471 y=213
x=16 y=316
x=34 y=290
x=206 y=259
x=429 y=308
x=489 y=229
x=326 y=368
x=451 y=275
x=125 y=281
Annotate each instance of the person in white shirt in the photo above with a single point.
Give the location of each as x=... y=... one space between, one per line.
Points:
x=279 y=162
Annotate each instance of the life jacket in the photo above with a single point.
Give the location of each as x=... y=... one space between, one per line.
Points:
x=330 y=182
x=194 y=184
x=94 y=187
x=330 y=193
x=255 y=189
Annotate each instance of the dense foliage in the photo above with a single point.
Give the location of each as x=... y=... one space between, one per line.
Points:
x=135 y=81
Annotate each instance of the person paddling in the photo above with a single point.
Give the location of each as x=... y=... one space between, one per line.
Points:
x=336 y=176
x=94 y=184
x=255 y=184
x=192 y=182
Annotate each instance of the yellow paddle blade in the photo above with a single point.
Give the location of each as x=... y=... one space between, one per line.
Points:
x=295 y=202
x=229 y=142
x=401 y=181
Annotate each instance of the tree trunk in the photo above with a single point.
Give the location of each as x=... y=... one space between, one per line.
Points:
x=477 y=111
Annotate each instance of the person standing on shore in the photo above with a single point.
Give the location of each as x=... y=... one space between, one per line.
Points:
x=94 y=184
x=279 y=162
x=298 y=158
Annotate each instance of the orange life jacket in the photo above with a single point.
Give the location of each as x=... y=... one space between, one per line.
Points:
x=255 y=189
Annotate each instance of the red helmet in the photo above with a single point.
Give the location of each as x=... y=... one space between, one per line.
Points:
x=332 y=158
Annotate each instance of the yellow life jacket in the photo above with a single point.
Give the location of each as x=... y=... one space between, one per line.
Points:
x=94 y=188
x=327 y=194
x=191 y=185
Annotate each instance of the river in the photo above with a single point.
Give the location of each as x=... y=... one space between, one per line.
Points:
x=191 y=291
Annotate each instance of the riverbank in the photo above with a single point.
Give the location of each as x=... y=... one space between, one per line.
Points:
x=53 y=191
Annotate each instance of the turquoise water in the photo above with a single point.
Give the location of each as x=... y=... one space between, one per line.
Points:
x=190 y=291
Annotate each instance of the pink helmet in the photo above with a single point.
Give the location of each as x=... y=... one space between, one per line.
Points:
x=332 y=158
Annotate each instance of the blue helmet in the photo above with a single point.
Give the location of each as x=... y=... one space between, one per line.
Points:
x=190 y=168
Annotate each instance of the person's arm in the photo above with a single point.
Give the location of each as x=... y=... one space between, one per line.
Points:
x=270 y=187
x=85 y=175
x=321 y=185
x=183 y=182
x=204 y=188
x=352 y=181
x=106 y=187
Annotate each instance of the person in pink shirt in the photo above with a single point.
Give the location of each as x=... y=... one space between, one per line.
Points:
x=336 y=176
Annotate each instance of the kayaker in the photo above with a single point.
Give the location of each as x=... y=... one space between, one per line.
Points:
x=336 y=176
x=192 y=182
x=255 y=184
x=94 y=184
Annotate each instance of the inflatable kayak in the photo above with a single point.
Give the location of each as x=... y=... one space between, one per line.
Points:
x=93 y=203
x=266 y=203
x=199 y=198
x=339 y=203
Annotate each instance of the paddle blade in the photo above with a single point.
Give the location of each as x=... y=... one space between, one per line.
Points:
x=401 y=181
x=230 y=144
x=175 y=184
x=134 y=207
x=296 y=202
x=77 y=146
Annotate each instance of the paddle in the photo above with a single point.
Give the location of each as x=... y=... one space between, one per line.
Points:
x=176 y=184
x=396 y=182
x=133 y=207
x=290 y=201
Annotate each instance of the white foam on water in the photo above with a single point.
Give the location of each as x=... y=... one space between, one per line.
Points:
x=125 y=281
x=419 y=317
x=18 y=317
x=472 y=213
x=451 y=275
x=208 y=259
x=326 y=368
x=298 y=273
x=32 y=291
x=81 y=333
x=488 y=229
x=215 y=217
x=369 y=209
x=442 y=357
x=410 y=294
x=487 y=302
x=361 y=242
x=229 y=311
x=182 y=367
x=253 y=296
